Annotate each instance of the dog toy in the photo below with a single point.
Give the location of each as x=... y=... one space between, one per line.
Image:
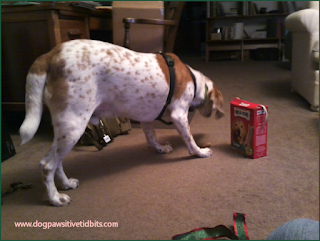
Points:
x=15 y=187
x=219 y=232
x=207 y=144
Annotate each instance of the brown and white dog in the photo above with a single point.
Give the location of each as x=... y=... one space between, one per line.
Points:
x=82 y=80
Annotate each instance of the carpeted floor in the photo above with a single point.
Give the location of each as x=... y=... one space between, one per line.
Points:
x=154 y=196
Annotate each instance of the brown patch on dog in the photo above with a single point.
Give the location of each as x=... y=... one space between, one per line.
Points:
x=109 y=53
x=41 y=65
x=44 y=178
x=182 y=76
x=127 y=55
x=57 y=85
x=164 y=67
x=45 y=171
x=207 y=111
x=218 y=102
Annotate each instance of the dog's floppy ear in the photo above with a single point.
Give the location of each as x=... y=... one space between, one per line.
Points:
x=217 y=99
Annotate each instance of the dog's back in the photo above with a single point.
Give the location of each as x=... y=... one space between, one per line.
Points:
x=93 y=76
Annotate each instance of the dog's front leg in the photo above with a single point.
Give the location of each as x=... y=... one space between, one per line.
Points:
x=180 y=119
x=152 y=139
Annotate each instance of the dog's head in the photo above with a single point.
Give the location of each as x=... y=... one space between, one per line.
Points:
x=213 y=101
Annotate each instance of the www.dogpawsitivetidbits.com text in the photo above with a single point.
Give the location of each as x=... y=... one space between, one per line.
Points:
x=66 y=224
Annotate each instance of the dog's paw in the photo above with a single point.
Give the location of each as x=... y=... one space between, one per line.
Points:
x=71 y=183
x=166 y=148
x=204 y=152
x=60 y=199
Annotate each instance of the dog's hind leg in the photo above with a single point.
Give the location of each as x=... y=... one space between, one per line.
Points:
x=152 y=139
x=66 y=135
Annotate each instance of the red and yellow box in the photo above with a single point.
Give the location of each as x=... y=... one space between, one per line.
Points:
x=249 y=125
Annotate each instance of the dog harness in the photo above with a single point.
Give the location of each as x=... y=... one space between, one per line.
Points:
x=170 y=64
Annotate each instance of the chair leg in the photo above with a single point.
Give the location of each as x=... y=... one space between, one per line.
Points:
x=126 y=42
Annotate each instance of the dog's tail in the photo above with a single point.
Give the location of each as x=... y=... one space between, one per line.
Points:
x=36 y=80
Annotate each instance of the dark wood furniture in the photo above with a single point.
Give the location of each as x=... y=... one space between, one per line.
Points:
x=30 y=31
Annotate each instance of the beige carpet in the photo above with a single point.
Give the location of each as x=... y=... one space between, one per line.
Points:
x=153 y=196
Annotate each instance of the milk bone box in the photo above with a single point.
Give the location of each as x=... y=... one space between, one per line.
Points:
x=249 y=128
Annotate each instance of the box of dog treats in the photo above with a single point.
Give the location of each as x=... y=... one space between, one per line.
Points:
x=249 y=124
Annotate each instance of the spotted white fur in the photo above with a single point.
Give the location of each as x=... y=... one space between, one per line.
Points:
x=83 y=80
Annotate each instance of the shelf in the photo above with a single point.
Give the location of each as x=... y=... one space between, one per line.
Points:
x=267 y=15
x=251 y=23
x=262 y=39
x=244 y=40
x=222 y=40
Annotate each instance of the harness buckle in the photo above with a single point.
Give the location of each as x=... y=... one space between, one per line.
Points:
x=170 y=61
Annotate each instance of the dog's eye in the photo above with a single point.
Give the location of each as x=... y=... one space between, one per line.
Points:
x=241 y=126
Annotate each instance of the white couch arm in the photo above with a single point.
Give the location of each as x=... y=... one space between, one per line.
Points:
x=303 y=20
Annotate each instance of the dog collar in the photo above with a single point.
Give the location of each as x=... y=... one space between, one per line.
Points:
x=170 y=64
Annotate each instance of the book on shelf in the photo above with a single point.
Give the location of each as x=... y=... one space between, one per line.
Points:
x=251 y=9
x=212 y=9
x=287 y=7
x=220 y=10
x=237 y=31
x=275 y=28
x=247 y=8
x=232 y=12
x=294 y=6
x=244 y=8
x=256 y=10
x=216 y=9
x=208 y=9
x=226 y=33
x=246 y=34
